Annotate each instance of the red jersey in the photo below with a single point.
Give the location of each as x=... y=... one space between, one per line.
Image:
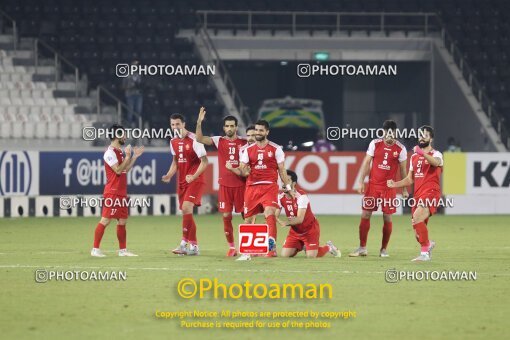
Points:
x=115 y=184
x=188 y=153
x=228 y=150
x=426 y=177
x=386 y=161
x=263 y=162
x=291 y=207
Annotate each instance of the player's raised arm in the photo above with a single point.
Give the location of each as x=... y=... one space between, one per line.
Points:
x=198 y=132
x=119 y=168
x=137 y=152
x=365 y=169
x=433 y=160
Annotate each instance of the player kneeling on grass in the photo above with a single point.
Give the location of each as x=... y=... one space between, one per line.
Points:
x=115 y=191
x=425 y=172
x=305 y=229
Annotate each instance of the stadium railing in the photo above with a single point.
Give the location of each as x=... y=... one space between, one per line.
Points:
x=224 y=74
x=496 y=119
x=293 y=24
x=58 y=60
x=429 y=22
x=119 y=105
x=6 y=16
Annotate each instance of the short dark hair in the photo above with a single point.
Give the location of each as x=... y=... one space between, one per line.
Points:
x=292 y=175
x=263 y=123
x=178 y=116
x=389 y=125
x=113 y=130
x=427 y=128
x=250 y=127
x=230 y=118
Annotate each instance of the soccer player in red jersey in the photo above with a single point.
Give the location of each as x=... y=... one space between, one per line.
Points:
x=190 y=161
x=305 y=229
x=231 y=192
x=265 y=160
x=115 y=191
x=250 y=139
x=386 y=155
x=425 y=172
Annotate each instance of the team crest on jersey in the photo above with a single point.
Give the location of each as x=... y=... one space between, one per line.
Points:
x=395 y=153
x=187 y=146
x=270 y=154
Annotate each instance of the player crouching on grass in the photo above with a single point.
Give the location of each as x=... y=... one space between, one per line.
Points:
x=116 y=166
x=305 y=229
x=425 y=172
x=189 y=159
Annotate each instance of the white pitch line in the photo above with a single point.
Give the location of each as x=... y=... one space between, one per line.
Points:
x=192 y=269
x=229 y=270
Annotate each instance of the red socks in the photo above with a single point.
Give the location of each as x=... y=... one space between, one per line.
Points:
x=364 y=227
x=271 y=222
x=189 y=229
x=422 y=235
x=98 y=234
x=229 y=230
x=322 y=251
x=121 y=235
x=386 y=233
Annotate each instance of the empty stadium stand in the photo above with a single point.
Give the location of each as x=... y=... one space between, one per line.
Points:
x=95 y=35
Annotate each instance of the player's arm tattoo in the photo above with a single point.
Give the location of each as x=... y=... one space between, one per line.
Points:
x=434 y=161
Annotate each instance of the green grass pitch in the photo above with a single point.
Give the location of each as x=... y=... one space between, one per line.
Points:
x=435 y=310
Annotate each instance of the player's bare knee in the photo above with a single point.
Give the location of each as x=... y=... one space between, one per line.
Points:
x=311 y=254
x=386 y=217
x=366 y=214
x=227 y=214
x=187 y=208
x=122 y=221
x=104 y=221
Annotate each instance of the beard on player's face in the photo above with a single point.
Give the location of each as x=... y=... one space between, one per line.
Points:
x=229 y=133
x=122 y=141
x=260 y=138
x=423 y=143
